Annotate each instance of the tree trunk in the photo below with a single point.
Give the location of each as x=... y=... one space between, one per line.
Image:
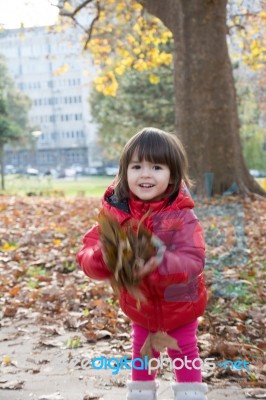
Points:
x=2 y=164
x=206 y=109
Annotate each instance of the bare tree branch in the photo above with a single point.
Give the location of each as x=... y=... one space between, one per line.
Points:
x=72 y=15
x=245 y=15
x=66 y=13
x=237 y=26
x=90 y=30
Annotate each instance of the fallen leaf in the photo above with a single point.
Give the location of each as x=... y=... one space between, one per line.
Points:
x=51 y=342
x=12 y=385
x=10 y=311
x=92 y=397
x=53 y=396
x=103 y=334
x=256 y=393
x=158 y=341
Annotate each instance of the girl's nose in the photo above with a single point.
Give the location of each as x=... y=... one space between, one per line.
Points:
x=145 y=171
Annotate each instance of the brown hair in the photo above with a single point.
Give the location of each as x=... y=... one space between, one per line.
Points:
x=156 y=146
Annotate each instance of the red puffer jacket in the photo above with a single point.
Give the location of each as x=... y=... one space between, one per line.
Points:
x=175 y=290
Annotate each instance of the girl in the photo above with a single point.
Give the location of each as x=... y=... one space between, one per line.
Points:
x=152 y=177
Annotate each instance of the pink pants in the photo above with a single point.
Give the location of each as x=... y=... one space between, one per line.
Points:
x=187 y=341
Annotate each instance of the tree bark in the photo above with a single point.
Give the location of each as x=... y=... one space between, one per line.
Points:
x=206 y=108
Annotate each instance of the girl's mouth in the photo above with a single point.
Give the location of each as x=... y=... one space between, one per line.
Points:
x=146 y=185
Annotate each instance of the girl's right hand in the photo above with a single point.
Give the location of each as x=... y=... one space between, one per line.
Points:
x=160 y=246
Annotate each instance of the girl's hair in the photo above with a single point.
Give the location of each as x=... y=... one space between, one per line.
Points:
x=155 y=146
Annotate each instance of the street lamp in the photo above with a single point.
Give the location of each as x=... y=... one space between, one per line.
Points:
x=35 y=135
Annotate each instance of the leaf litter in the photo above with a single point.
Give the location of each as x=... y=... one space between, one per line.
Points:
x=41 y=285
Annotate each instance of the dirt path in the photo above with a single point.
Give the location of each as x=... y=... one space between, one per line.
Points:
x=37 y=364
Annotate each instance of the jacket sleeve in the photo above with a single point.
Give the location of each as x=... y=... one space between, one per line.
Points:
x=184 y=256
x=90 y=256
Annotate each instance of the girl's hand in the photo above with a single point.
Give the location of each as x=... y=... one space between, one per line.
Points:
x=147 y=268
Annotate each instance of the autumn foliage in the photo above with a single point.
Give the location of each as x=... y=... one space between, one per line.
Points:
x=39 y=279
x=122 y=35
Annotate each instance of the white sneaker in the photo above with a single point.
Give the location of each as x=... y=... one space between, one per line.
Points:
x=142 y=390
x=190 y=391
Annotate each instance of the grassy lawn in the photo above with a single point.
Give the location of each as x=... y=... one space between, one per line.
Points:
x=47 y=186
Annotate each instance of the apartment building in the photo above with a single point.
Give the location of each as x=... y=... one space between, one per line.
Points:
x=50 y=68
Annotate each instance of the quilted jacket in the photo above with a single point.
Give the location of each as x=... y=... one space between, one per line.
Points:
x=175 y=291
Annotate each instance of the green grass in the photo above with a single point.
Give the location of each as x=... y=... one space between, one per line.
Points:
x=47 y=186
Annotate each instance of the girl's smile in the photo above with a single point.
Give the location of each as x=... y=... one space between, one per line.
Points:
x=147 y=180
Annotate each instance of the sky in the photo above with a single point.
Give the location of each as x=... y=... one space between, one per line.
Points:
x=30 y=12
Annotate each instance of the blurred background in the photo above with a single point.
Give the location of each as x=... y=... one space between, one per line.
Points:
x=69 y=124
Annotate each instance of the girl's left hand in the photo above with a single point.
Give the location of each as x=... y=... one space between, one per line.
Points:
x=147 y=268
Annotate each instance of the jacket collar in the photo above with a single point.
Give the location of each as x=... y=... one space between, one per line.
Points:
x=135 y=207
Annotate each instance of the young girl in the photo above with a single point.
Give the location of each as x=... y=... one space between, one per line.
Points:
x=152 y=179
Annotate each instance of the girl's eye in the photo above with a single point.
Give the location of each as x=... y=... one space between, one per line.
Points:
x=157 y=167
x=136 y=167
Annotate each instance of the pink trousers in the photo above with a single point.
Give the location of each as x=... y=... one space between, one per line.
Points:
x=187 y=341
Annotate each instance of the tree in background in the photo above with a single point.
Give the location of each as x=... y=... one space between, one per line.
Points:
x=252 y=134
x=14 y=107
x=140 y=101
x=206 y=107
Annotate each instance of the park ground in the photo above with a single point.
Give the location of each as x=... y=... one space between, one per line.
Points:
x=53 y=318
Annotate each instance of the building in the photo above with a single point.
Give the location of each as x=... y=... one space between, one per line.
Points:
x=50 y=68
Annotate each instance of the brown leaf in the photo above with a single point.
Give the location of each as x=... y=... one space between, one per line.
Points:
x=158 y=341
x=92 y=397
x=14 y=291
x=161 y=340
x=90 y=336
x=10 y=311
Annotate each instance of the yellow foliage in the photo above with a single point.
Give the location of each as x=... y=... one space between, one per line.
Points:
x=68 y=6
x=120 y=7
x=140 y=65
x=137 y=50
x=111 y=89
x=252 y=40
x=61 y=70
x=58 y=28
x=262 y=15
x=137 y=29
x=8 y=247
x=7 y=360
x=107 y=84
x=254 y=45
x=125 y=36
x=136 y=6
x=131 y=40
x=154 y=79
x=257 y=66
x=120 y=70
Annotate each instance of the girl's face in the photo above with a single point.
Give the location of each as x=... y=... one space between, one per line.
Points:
x=146 y=180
